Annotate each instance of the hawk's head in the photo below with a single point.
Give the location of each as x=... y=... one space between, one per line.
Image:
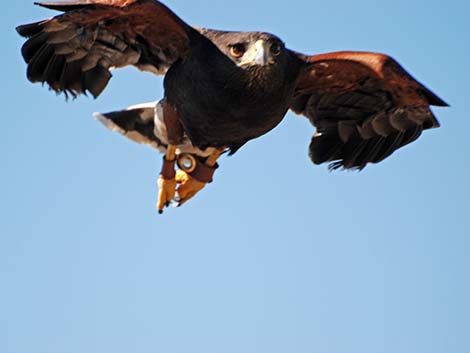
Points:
x=250 y=49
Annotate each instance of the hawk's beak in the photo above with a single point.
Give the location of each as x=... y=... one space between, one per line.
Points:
x=258 y=54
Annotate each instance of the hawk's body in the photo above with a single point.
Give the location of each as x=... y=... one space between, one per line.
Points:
x=254 y=99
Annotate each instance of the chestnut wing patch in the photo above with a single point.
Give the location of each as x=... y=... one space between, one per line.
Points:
x=75 y=51
x=365 y=106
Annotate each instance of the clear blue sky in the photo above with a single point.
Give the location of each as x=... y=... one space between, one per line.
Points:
x=277 y=255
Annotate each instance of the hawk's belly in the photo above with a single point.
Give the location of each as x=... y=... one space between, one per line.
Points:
x=229 y=124
x=227 y=105
x=228 y=118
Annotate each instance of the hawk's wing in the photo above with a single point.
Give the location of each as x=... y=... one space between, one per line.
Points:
x=364 y=106
x=73 y=52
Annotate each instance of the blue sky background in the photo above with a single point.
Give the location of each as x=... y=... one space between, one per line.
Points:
x=277 y=255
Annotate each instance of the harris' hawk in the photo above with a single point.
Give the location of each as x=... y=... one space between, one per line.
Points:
x=224 y=88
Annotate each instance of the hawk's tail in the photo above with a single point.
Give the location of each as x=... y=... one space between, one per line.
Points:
x=144 y=123
x=136 y=123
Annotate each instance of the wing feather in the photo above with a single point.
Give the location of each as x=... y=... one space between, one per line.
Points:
x=74 y=52
x=364 y=106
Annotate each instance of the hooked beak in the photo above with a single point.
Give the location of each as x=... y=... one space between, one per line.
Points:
x=259 y=54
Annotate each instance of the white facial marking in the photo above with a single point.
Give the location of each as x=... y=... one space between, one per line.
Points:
x=262 y=55
x=258 y=54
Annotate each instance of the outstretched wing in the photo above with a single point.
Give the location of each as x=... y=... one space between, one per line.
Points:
x=73 y=52
x=365 y=106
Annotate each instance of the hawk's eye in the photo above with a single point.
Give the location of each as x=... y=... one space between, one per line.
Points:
x=237 y=50
x=276 y=49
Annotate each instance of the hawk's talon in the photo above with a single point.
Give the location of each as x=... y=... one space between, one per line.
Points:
x=166 y=192
x=188 y=187
x=167 y=181
x=177 y=187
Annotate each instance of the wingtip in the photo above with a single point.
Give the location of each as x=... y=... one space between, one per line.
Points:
x=62 y=5
x=51 y=6
x=46 y=4
x=438 y=102
x=433 y=98
x=29 y=29
x=444 y=104
x=18 y=30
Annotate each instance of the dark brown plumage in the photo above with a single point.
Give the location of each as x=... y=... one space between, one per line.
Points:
x=364 y=105
x=234 y=104
x=73 y=52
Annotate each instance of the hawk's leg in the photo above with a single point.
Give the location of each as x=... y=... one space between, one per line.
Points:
x=175 y=137
x=193 y=179
x=167 y=181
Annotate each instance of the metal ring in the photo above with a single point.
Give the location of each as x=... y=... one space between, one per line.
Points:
x=186 y=162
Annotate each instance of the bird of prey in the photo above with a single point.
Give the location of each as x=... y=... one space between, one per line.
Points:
x=224 y=88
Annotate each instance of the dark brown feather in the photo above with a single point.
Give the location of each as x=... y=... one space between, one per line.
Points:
x=29 y=30
x=94 y=36
x=96 y=79
x=54 y=70
x=38 y=63
x=364 y=105
x=79 y=4
x=32 y=46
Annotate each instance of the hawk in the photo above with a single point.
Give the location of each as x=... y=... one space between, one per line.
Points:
x=224 y=88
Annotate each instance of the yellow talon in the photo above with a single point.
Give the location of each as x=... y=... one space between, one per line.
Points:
x=188 y=177
x=166 y=192
x=166 y=181
x=189 y=186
